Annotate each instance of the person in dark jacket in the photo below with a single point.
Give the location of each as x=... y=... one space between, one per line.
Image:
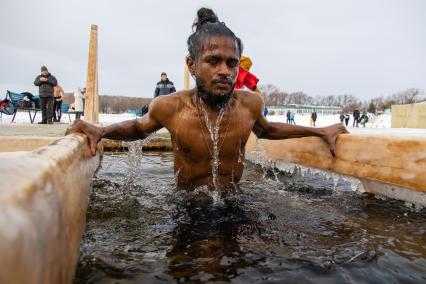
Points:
x=356 y=115
x=164 y=87
x=46 y=81
x=313 y=118
x=144 y=109
x=347 y=117
x=364 y=119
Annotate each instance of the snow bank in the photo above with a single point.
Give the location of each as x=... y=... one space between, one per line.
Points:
x=377 y=125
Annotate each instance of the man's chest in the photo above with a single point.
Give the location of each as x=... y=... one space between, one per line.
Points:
x=199 y=135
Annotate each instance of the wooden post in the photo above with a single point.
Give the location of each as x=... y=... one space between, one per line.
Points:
x=185 y=77
x=96 y=100
x=91 y=105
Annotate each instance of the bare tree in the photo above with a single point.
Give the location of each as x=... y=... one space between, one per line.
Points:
x=272 y=95
x=119 y=104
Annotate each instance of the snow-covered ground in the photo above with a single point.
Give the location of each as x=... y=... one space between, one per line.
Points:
x=378 y=125
x=380 y=121
x=23 y=118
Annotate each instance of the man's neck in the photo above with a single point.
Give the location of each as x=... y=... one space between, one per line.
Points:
x=212 y=101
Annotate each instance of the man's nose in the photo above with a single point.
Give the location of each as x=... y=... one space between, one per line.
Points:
x=224 y=70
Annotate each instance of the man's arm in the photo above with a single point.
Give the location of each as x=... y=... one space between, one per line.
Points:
x=127 y=130
x=276 y=130
x=130 y=130
x=52 y=80
x=37 y=81
x=157 y=91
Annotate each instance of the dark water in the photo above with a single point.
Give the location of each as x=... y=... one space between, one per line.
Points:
x=278 y=229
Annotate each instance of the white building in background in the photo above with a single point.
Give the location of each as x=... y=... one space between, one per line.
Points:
x=305 y=109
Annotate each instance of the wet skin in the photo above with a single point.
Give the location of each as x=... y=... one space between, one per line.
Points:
x=184 y=115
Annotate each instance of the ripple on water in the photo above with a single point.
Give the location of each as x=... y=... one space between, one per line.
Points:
x=278 y=228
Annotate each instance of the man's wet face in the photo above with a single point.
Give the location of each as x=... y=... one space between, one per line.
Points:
x=217 y=66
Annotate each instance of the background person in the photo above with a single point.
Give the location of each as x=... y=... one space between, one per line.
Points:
x=347 y=117
x=265 y=111
x=144 y=109
x=245 y=78
x=58 y=93
x=313 y=118
x=364 y=119
x=46 y=81
x=292 y=114
x=78 y=103
x=164 y=87
x=356 y=115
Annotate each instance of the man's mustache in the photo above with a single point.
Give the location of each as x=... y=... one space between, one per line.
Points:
x=223 y=81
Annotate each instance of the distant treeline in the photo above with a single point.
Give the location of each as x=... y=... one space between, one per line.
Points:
x=274 y=96
x=119 y=104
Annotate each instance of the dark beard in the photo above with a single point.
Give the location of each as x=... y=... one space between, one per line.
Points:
x=210 y=99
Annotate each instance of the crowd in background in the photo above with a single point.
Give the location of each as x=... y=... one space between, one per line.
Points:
x=51 y=98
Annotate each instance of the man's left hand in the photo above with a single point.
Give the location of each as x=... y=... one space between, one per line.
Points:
x=331 y=133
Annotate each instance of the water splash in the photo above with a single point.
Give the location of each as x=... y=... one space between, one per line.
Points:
x=241 y=153
x=213 y=127
x=338 y=181
x=260 y=157
x=201 y=196
x=176 y=176
x=134 y=160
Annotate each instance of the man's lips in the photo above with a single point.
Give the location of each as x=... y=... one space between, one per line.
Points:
x=223 y=83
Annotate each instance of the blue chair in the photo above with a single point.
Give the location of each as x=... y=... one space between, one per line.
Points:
x=11 y=105
x=15 y=97
x=65 y=108
x=7 y=107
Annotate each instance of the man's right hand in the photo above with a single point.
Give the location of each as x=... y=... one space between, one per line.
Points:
x=43 y=79
x=93 y=133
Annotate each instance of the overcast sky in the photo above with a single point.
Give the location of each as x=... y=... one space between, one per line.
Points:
x=362 y=47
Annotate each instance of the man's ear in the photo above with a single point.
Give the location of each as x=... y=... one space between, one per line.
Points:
x=191 y=65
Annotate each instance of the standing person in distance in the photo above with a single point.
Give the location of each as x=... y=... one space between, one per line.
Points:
x=164 y=86
x=46 y=81
x=58 y=94
x=78 y=103
x=313 y=118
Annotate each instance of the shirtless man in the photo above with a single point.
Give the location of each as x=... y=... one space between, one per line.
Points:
x=209 y=125
x=58 y=93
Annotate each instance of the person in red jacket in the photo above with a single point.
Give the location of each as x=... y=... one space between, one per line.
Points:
x=245 y=78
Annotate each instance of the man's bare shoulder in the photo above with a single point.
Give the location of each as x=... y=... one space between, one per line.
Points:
x=248 y=96
x=249 y=99
x=167 y=106
x=176 y=98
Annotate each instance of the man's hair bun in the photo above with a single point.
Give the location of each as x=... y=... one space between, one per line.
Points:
x=207 y=25
x=204 y=15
